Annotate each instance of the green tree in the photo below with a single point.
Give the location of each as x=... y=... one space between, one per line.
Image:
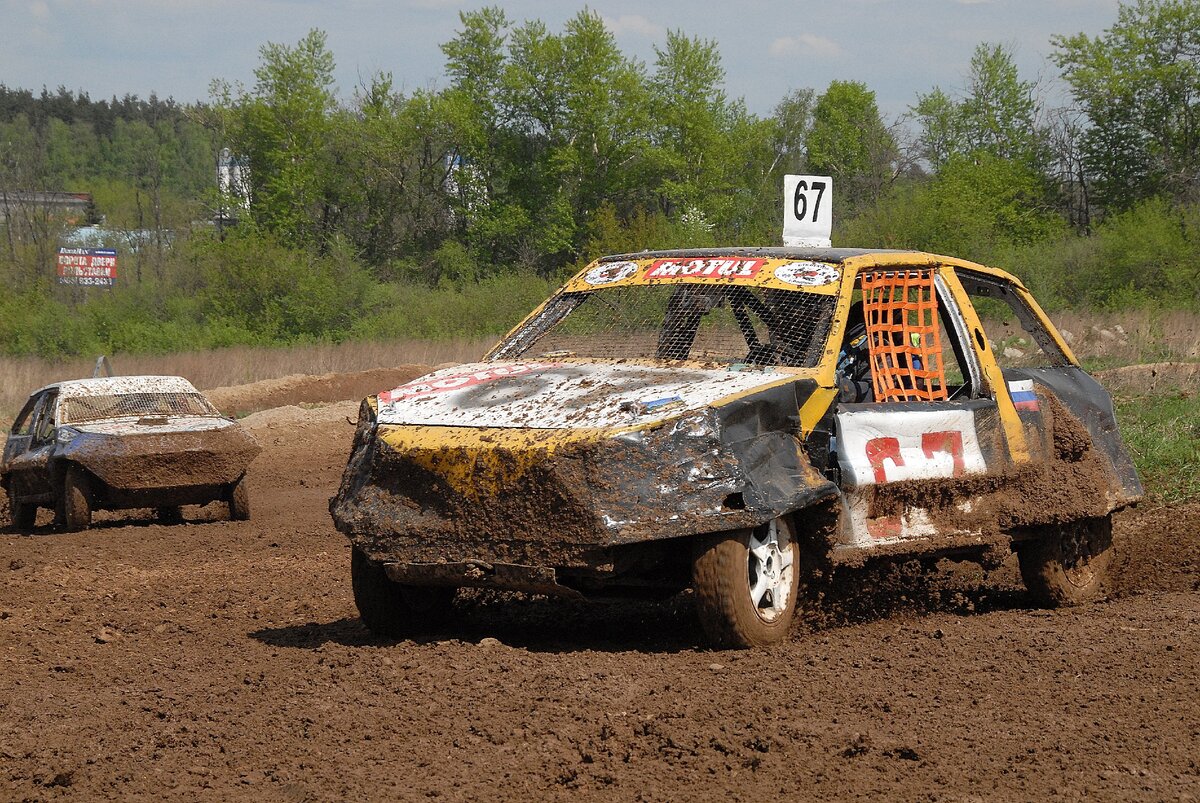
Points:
x=850 y=143
x=1139 y=85
x=999 y=114
x=282 y=128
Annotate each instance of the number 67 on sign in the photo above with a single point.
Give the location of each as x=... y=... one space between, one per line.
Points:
x=807 y=211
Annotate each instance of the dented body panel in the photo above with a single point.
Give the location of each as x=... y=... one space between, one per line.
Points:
x=585 y=450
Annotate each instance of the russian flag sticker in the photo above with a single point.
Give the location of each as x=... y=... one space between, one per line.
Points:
x=1022 y=394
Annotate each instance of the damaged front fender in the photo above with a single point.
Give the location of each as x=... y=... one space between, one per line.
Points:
x=564 y=497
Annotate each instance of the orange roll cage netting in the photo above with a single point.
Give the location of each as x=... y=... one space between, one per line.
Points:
x=903 y=336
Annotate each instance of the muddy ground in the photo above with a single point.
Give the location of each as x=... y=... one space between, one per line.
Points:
x=225 y=660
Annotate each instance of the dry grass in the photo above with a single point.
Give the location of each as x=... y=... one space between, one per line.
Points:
x=237 y=366
x=1100 y=341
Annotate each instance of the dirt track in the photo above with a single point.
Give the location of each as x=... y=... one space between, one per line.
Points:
x=225 y=660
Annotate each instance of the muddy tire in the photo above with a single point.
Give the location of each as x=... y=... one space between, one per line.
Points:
x=746 y=584
x=76 y=500
x=169 y=515
x=1068 y=565
x=23 y=514
x=239 y=501
x=393 y=610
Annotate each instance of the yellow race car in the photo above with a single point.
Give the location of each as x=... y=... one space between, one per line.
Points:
x=734 y=421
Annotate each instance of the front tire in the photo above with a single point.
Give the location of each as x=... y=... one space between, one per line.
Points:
x=77 y=500
x=1068 y=565
x=391 y=609
x=746 y=584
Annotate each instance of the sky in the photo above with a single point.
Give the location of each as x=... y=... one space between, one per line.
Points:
x=175 y=48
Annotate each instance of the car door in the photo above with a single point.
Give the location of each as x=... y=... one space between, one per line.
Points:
x=938 y=415
x=29 y=448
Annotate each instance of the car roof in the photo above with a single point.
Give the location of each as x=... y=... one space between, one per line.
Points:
x=117 y=385
x=850 y=258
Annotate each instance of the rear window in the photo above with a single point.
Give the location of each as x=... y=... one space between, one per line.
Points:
x=713 y=323
x=82 y=409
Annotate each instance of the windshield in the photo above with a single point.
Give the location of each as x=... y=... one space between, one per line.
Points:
x=82 y=409
x=714 y=323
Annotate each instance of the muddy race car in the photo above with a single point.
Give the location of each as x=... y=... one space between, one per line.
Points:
x=123 y=442
x=738 y=421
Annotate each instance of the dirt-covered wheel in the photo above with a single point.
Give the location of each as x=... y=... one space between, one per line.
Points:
x=76 y=500
x=239 y=501
x=1068 y=564
x=169 y=515
x=746 y=584
x=22 y=514
x=392 y=609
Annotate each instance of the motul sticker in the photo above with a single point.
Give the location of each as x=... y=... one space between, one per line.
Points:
x=706 y=268
x=443 y=384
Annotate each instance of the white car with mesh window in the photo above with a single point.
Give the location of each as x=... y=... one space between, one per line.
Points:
x=120 y=443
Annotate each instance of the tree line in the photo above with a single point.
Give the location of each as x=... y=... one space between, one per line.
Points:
x=544 y=149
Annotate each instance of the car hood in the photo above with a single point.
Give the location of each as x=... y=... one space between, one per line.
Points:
x=154 y=426
x=564 y=395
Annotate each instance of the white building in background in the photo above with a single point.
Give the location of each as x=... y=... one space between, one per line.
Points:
x=233 y=182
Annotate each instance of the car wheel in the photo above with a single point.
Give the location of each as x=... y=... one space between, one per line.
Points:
x=23 y=514
x=239 y=501
x=1068 y=565
x=391 y=609
x=77 y=500
x=169 y=515
x=746 y=584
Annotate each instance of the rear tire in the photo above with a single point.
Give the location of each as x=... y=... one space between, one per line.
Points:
x=77 y=500
x=23 y=514
x=746 y=584
x=1068 y=565
x=391 y=609
x=239 y=501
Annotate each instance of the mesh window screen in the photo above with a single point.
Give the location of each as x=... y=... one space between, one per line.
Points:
x=903 y=336
x=722 y=323
x=82 y=409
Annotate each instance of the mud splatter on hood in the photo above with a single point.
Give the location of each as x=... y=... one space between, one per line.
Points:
x=153 y=426
x=560 y=395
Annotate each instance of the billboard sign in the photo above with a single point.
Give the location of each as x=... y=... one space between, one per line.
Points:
x=87 y=267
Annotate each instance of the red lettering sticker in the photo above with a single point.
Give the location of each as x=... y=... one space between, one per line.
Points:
x=705 y=268
x=445 y=384
x=880 y=450
x=949 y=442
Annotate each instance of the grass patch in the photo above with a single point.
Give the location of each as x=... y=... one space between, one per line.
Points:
x=1162 y=432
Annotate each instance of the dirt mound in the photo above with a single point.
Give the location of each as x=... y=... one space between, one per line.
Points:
x=1153 y=377
x=309 y=389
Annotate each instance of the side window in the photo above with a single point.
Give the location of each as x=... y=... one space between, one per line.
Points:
x=901 y=344
x=1015 y=335
x=44 y=418
x=24 y=423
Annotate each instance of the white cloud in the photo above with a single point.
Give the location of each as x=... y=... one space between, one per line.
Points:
x=634 y=23
x=806 y=44
x=39 y=9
